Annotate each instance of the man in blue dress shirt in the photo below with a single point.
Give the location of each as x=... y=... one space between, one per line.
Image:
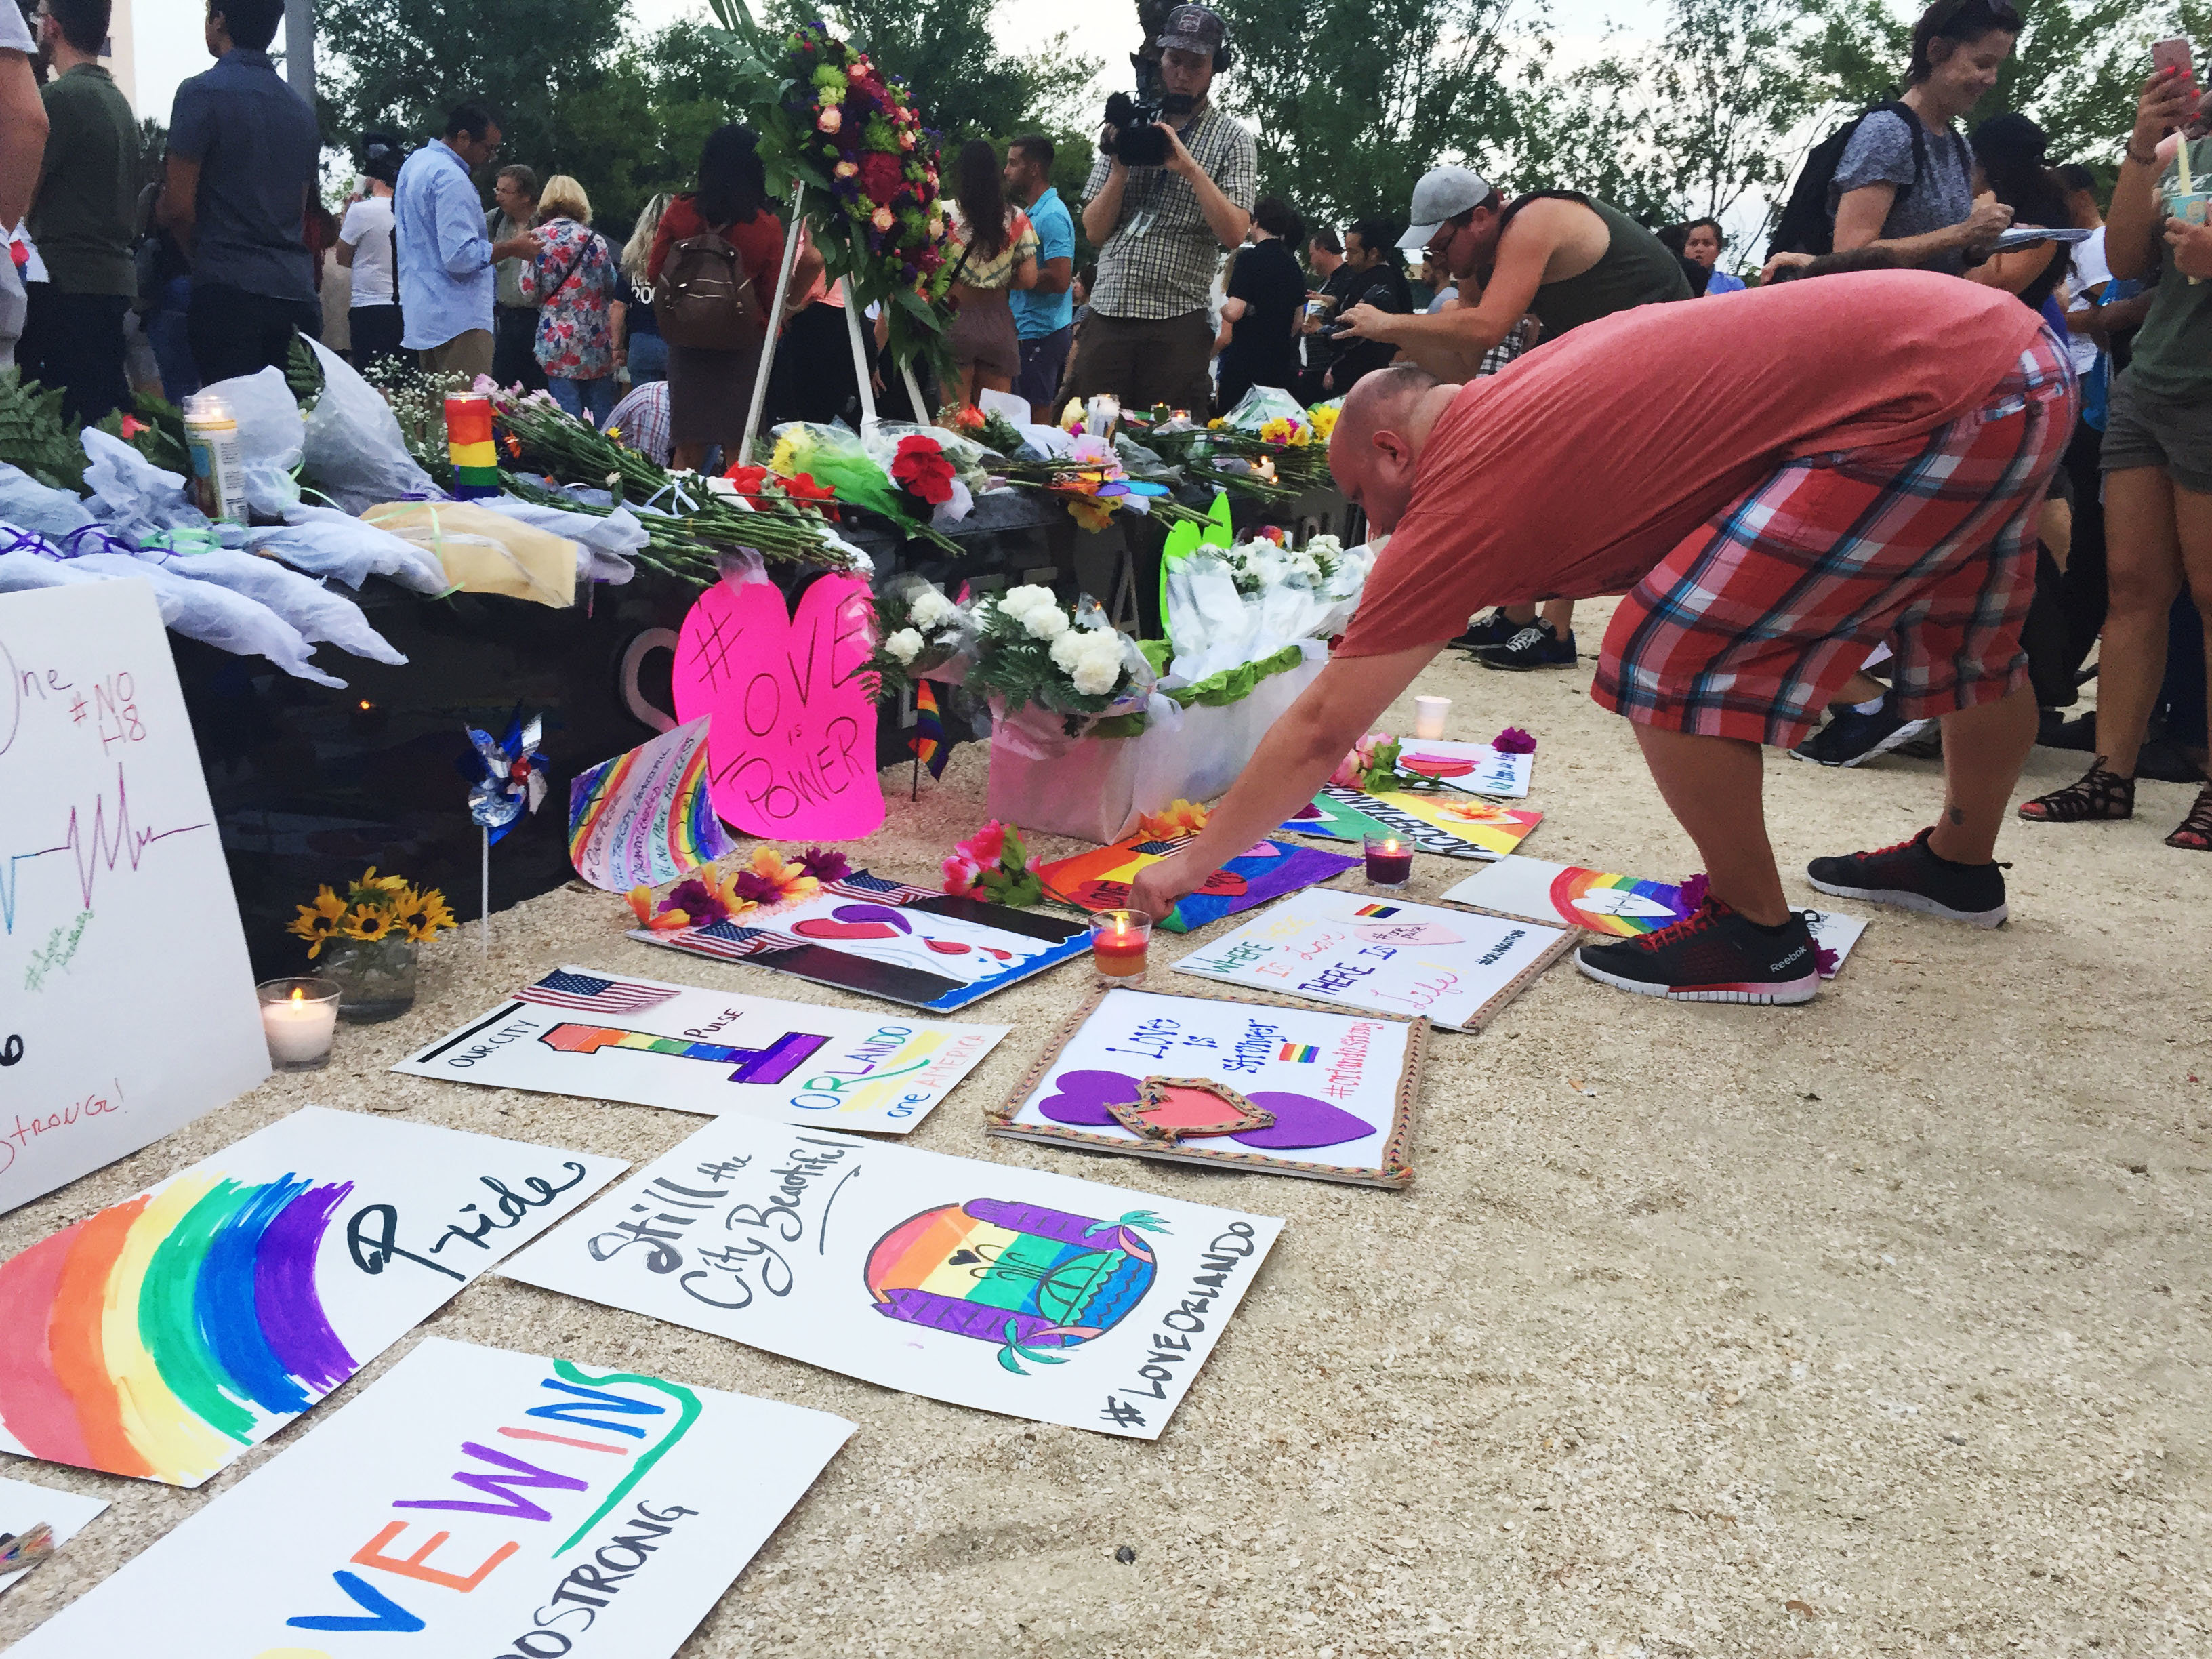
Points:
x=447 y=284
x=1044 y=316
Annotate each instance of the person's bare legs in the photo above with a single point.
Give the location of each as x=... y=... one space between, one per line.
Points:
x=688 y=458
x=1715 y=788
x=1984 y=748
x=2143 y=575
x=1519 y=615
x=1560 y=614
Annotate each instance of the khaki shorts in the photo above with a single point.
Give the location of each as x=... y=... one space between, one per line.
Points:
x=468 y=353
x=2143 y=428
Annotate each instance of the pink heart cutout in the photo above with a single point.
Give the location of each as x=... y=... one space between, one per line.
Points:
x=791 y=746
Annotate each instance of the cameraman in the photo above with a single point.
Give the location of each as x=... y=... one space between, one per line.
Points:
x=1160 y=232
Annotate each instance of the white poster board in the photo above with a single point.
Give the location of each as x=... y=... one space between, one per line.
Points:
x=471 y=1501
x=126 y=1001
x=1249 y=1085
x=1383 y=953
x=985 y=1285
x=1489 y=771
x=598 y=1036
x=23 y=1506
x=163 y=1336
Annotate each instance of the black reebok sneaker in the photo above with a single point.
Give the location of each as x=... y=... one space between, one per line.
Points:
x=1493 y=629
x=1715 y=955
x=1911 y=878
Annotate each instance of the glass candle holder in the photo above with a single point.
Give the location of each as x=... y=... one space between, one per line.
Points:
x=1119 y=941
x=299 y=1016
x=1390 y=861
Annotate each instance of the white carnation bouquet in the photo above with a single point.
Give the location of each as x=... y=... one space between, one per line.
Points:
x=919 y=635
x=1029 y=649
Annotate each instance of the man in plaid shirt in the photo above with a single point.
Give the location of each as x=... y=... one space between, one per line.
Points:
x=1160 y=233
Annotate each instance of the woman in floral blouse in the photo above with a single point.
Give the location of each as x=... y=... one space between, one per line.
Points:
x=572 y=283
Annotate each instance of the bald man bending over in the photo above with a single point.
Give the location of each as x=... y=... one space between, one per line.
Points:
x=1777 y=482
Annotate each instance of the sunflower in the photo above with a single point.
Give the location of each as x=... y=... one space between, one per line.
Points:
x=320 y=922
x=368 y=922
x=423 y=917
x=374 y=890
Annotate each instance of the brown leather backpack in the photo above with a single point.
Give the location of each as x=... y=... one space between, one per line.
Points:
x=704 y=297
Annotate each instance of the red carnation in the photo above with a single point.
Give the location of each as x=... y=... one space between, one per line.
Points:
x=921 y=467
x=750 y=480
x=880 y=174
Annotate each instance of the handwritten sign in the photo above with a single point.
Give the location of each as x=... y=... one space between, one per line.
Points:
x=1241 y=1085
x=1451 y=824
x=645 y=816
x=107 y=844
x=1473 y=769
x=163 y=1336
x=985 y=1285
x=1456 y=968
x=1099 y=879
x=64 y=1514
x=580 y=1031
x=791 y=749
x=471 y=1501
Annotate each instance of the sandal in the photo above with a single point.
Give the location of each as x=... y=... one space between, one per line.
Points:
x=2194 y=832
x=2100 y=794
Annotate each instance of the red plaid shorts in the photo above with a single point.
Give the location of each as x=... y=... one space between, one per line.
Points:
x=1752 y=624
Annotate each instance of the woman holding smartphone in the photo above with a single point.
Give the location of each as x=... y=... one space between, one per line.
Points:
x=2157 y=462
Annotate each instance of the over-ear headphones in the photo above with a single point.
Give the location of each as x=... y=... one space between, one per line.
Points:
x=1224 y=57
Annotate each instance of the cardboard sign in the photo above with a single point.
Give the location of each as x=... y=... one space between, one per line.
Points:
x=582 y=1032
x=985 y=1285
x=126 y=1001
x=885 y=939
x=791 y=746
x=471 y=1501
x=1621 y=906
x=24 y=1506
x=1240 y=1085
x=1449 y=825
x=645 y=816
x=1099 y=880
x=163 y=1336
x=1456 y=968
x=1471 y=769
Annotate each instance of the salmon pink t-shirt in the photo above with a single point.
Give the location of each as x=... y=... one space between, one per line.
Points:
x=1582 y=466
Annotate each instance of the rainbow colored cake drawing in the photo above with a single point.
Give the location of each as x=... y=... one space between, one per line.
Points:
x=1024 y=1277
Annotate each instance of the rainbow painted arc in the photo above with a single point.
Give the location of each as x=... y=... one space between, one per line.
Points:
x=155 y=1337
x=1573 y=885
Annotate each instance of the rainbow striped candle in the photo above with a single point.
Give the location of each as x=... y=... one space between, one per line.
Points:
x=156 y=1337
x=469 y=446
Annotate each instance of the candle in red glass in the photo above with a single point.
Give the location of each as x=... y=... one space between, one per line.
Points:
x=1118 y=939
x=1390 y=861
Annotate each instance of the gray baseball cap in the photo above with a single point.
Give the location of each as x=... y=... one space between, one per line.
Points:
x=1443 y=193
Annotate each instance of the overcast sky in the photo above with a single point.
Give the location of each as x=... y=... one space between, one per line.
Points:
x=170 y=46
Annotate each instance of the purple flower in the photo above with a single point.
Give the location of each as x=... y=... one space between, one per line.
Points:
x=1828 y=962
x=824 y=865
x=1693 y=894
x=750 y=885
x=696 y=900
x=1514 y=741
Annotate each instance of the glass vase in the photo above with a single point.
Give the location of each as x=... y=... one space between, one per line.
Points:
x=375 y=978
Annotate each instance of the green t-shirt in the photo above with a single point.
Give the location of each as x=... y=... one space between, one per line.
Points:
x=2173 y=347
x=80 y=217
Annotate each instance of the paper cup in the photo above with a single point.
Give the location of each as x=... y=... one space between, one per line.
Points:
x=1429 y=716
x=2189 y=206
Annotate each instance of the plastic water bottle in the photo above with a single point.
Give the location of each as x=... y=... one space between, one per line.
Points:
x=218 y=470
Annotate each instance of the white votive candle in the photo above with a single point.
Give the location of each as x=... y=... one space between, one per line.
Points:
x=1429 y=716
x=300 y=1017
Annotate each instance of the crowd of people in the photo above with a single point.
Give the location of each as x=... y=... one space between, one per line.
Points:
x=1201 y=290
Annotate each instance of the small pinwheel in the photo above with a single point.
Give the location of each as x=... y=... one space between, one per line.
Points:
x=506 y=778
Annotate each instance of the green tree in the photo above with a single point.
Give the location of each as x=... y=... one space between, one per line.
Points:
x=1354 y=99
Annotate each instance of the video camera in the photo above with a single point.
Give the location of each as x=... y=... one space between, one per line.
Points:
x=1135 y=140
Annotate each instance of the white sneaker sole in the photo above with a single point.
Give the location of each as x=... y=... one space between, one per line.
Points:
x=1897 y=739
x=1906 y=900
x=1780 y=993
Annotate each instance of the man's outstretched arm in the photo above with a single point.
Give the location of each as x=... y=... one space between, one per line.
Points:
x=1293 y=761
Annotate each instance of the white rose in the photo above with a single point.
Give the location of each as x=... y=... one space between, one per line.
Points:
x=1067 y=651
x=1047 y=623
x=929 y=608
x=903 y=646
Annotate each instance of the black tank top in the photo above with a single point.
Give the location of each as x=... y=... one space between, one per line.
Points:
x=1635 y=269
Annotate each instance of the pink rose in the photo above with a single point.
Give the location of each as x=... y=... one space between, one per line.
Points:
x=847 y=169
x=883 y=219
x=961 y=875
x=987 y=845
x=829 y=120
x=905 y=140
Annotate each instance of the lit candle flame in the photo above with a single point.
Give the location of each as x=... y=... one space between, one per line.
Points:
x=298 y=994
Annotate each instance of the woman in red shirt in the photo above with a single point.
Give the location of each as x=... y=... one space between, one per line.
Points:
x=708 y=391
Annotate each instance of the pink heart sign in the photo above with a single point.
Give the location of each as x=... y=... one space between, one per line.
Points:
x=791 y=748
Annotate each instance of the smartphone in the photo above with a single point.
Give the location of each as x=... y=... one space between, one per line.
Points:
x=2173 y=54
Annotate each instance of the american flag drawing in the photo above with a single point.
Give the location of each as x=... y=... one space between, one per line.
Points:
x=730 y=940
x=588 y=994
x=862 y=885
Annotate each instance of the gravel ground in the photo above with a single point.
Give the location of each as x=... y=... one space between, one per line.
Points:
x=1876 y=1326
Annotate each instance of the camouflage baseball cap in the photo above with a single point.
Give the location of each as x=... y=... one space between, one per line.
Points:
x=1194 y=28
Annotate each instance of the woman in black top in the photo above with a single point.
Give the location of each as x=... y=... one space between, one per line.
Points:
x=1267 y=294
x=2010 y=162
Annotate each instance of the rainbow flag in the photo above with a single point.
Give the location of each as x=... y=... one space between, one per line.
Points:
x=929 y=739
x=646 y=815
x=1304 y=1053
x=1376 y=910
